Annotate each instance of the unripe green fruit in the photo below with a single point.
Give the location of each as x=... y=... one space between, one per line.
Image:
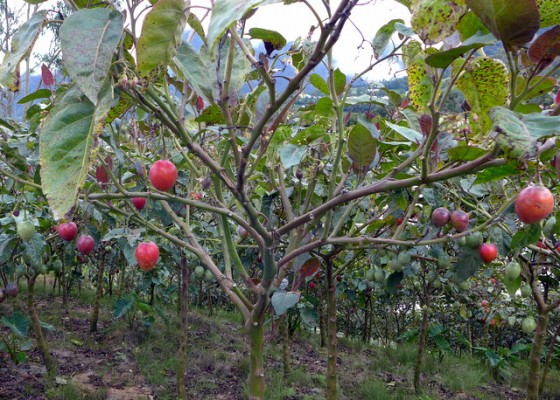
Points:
x=25 y=230
x=462 y=241
x=511 y=321
x=525 y=290
x=404 y=258
x=549 y=226
x=529 y=325
x=370 y=275
x=474 y=240
x=465 y=285
x=432 y=276
x=379 y=275
x=199 y=271
x=437 y=284
x=513 y=270
x=444 y=261
x=57 y=266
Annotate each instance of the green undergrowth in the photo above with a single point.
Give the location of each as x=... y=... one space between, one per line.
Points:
x=217 y=359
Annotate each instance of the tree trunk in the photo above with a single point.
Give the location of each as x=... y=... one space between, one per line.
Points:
x=331 y=333
x=533 y=381
x=64 y=285
x=48 y=360
x=182 y=361
x=98 y=294
x=255 y=329
x=548 y=359
x=322 y=325
x=421 y=348
x=285 y=344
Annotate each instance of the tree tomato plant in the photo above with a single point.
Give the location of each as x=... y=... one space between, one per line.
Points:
x=67 y=231
x=147 y=255
x=85 y=244
x=533 y=204
x=163 y=175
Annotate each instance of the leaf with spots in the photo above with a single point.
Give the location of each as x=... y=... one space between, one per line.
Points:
x=66 y=145
x=513 y=25
x=420 y=86
x=88 y=39
x=435 y=20
x=161 y=34
x=549 y=11
x=484 y=84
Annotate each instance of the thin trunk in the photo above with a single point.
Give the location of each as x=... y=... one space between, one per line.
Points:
x=331 y=333
x=421 y=348
x=111 y=278
x=152 y=293
x=255 y=328
x=322 y=324
x=548 y=359
x=285 y=344
x=533 y=381
x=182 y=361
x=64 y=285
x=48 y=360
x=98 y=294
x=54 y=285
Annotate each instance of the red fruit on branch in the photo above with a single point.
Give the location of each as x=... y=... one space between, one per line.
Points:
x=441 y=216
x=488 y=252
x=163 y=175
x=139 y=202
x=147 y=254
x=460 y=220
x=85 y=244
x=67 y=231
x=533 y=204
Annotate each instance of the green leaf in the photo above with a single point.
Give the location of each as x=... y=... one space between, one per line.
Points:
x=471 y=25
x=518 y=133
x=529 y=234
x=224 y=14
x=407 y=133
x=444 y=58
x=339 y=81
x=38 y=94
x=88 y=39
x=513 y=25
x=465 y=153
x=309 y=317
x=468 y=263
x=195 y=67
x=46 y=326
x=276 y=40
x=18 y=323
x=362 y=147
x=435 y=20
x=122 y=306
x=22 y=44
x=291 y=154
x=420 y=85
x=549 y=11
x=394 y=280
x=383 y=36
x=319 y=83
x=493 y=173
x=324 y=107
x=546 y=85
x=282 y=301
x=484 y=84
x=308 y=135
x=161 y=34
x=65 y=147
x=196 y=25
x=512 y=286
x=211 y=115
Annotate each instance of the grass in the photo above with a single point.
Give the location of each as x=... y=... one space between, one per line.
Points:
x=217 y=363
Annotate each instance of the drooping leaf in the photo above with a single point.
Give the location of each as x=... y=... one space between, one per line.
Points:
x=420 y=86
x=512 y=286
x=224 y=14
x=22 y=44
x=18 y=324
x=549 y=11
x=484 y=84
x=319 y=83
x=513 y=25
x=38 y=94
x=161 y=34
x=468 y=263
x=444 y=58
x=434 y=20
x=276 y=40
x=545 y=48
x=362 y=147
x=195 y=66
x=282 y=301
x=382 y=37
x=88 y=39
x=196 y=25
x=518 y=133
x=310 y=267
x=309 y=317
x=65 y=146
x=407 y=133
x=122 y=306
x=291 y=154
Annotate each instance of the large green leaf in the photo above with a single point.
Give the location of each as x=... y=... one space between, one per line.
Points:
x=88 y=40
x=362 y=147
x=518 y=133
x=445 y=58
x=224 y=14
x=434 y=20
x=512 y=24
x=18 y=323
x=161 y=34
x=291 y=154
x=382 y=37
x=468 y=263
x=21 y=46
x=66 y=143
x=484 y=84
x=407 y=133
x=282 y=300
x=122 y=306
x=549 y=11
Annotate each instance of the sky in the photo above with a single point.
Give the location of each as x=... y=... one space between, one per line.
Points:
x=294 y=21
